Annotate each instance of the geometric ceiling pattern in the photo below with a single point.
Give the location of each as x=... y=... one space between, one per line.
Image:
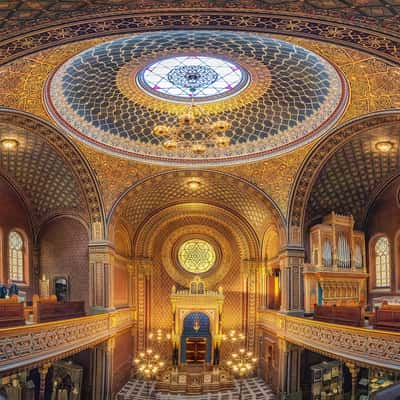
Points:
x=172 y=188
x=21 y=13
x=351 y=176
x=293 y=96
x=41 y=175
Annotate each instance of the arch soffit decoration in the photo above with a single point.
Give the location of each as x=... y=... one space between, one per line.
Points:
x=73 y=162
x=229 y=225
x=234 y=240
x=83 y=221
x=272 y=233
x=240 y=197
x=320 y=156
x=382 y=43
x=24 y=200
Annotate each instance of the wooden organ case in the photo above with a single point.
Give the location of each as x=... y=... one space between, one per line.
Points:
x=337 y=271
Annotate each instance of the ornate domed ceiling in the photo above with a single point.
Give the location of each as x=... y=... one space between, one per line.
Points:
x=275 y=95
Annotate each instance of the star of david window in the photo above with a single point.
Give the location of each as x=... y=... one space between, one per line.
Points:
x=193 y=77
x=196 y=256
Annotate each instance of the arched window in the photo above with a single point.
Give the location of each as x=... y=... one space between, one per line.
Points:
x=16 y=256
x=382 y=262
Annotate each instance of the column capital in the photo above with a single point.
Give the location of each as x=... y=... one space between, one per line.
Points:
x=291 y=252
x=143 y=265
x=249 y=265
x=353 y=368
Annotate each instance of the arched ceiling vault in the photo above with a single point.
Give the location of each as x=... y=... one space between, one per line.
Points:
x=168 y=220
x=148 y=197
x=47 y=170
x=19 y=14
x=344 y=172
x=362 y=25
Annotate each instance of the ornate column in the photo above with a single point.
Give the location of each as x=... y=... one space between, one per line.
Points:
x=43 y=370
x=36 y=268
x=101 y=276
x=249 y=272
x=289 y=368
x=291 y=262
x=102 y=370
x=353 y=369
x=143 y=268
x=131 y=285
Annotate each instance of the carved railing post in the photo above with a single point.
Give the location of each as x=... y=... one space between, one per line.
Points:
x=101 y=262
x=292 y=292
x=353 y=369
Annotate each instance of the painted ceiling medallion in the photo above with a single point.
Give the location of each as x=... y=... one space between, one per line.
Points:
x=276 y=96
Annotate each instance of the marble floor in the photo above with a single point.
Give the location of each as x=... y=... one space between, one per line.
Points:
x=253 y=389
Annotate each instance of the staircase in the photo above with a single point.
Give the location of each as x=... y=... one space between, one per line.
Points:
x=253 y=389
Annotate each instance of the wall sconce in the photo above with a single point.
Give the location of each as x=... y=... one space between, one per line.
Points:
x=9 y=144
x=384 y=146
x=194 y=184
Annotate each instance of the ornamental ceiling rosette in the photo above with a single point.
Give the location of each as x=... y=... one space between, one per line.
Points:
x=277 y=96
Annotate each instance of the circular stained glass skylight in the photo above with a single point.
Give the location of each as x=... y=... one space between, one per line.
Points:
x=196 y=256
x=190 y=77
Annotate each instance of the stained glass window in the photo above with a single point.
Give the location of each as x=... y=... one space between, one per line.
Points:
x=16 y=256
x=198 y=77
x=196 y=256
x=382 y=263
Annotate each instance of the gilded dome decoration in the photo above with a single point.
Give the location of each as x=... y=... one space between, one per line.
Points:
x=275 y=95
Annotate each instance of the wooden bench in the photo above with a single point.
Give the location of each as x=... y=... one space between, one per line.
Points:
x=11 y=312
x=388 y=317
x=340 y=314
x=49 y=309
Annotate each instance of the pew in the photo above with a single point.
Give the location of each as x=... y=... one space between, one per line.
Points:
x=340 y=314
x=388 y=317
x=49 y=309
x=11 y=312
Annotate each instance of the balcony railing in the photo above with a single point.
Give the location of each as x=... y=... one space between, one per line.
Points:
x=365 y=346
x=33 y=344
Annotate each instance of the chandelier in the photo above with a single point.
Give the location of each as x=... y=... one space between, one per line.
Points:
x=194 y=131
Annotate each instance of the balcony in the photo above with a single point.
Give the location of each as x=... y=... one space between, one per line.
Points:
x=31 y=345
x=369 y=347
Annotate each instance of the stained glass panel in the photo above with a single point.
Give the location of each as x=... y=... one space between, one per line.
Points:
x=382 y=263
x=16 y=259
x=196 y=256
x=197 y=77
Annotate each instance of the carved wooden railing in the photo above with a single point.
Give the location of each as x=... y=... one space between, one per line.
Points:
x=31 y=345
x=366 y=347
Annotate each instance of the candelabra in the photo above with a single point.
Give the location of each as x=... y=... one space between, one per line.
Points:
x=242 y=365
x=194 y=131
x=234 y=337
x=148 y=366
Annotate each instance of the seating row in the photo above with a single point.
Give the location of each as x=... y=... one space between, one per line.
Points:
x=340 y=314
x=13 y=313
x=388 y=317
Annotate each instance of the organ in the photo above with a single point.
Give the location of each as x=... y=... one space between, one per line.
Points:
x=336 y=273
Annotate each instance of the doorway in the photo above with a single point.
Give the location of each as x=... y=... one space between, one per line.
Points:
x=196 y=350
x=196 y=339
